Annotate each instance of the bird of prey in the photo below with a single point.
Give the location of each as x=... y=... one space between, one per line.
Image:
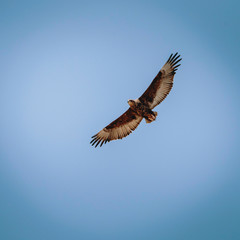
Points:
x=141 y=107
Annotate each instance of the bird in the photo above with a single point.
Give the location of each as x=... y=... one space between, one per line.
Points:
x=141 y=107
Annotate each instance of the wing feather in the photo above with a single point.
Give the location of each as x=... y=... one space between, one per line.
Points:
x=118 y=129
x=162 y=83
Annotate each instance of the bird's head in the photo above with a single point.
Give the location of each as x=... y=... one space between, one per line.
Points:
x=131 y=103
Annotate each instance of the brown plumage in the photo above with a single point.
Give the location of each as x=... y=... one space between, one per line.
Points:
x=141 y=107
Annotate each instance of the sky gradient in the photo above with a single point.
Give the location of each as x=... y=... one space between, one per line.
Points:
x=67 y=69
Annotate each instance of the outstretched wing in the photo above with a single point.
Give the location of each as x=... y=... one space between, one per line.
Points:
x=118 y=129
x=162 y=83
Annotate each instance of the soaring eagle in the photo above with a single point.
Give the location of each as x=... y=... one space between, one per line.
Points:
x=141 y=107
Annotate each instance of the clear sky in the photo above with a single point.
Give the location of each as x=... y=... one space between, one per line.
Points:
x=67 y=69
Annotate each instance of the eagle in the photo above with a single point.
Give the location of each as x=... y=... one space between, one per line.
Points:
x=141 y=107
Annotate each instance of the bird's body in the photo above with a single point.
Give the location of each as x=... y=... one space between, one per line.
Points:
x=142 y=110
x=141 y=107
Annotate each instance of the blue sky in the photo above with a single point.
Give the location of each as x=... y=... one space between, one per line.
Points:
x=67 y=70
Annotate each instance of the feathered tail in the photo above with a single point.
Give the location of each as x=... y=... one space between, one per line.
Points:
x=151 y=118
